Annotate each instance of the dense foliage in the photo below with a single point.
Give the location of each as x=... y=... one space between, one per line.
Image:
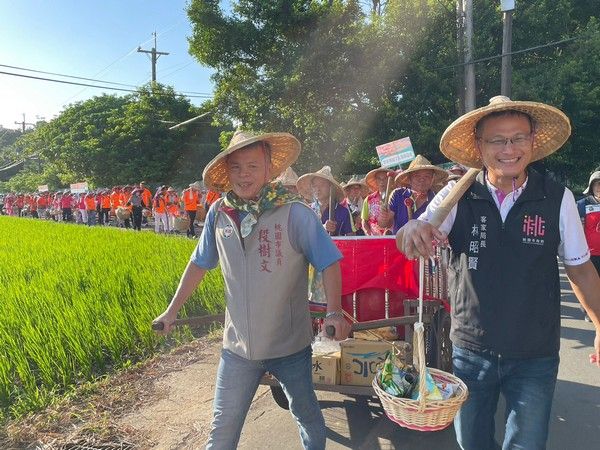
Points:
x=110 y=140
x=347 y=75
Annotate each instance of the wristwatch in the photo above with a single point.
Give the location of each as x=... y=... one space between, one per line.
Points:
x=334 y=313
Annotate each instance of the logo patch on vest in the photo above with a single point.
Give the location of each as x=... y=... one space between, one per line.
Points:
x=534 y=230
x=227 y=231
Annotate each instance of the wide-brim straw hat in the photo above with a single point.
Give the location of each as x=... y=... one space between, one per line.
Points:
x=304 y=183
x=288 y=177
x=196 y=185
x=285 y=149
x=357 y=181
x=593 y=177
x=370 y=178
x=421 y=163
x=552 y=129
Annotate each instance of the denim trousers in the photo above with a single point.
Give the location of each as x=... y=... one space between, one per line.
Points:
x=527 y=386
x=237 y=381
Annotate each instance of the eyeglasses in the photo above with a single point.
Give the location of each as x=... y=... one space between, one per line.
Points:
x=519 y=141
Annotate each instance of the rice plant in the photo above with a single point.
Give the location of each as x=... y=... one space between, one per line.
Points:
x=78 y=302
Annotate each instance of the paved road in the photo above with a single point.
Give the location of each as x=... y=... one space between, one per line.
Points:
x=359 y=423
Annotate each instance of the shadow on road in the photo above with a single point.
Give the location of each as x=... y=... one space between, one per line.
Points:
x=360 y=423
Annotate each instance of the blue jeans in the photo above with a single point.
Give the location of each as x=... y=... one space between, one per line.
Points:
x=237 y=381
x=526 y=384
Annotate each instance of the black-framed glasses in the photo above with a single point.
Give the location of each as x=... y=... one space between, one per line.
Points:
x=518 y=141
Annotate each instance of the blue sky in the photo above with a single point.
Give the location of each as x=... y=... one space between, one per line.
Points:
x=91 y=39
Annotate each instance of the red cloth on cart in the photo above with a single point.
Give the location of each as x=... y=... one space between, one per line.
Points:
x=375 y=263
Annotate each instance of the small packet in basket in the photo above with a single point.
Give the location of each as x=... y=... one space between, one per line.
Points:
x=447 y=390
x=395 y=380
x=432 y=391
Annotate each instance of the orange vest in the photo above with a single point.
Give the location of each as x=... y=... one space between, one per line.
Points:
x=105 y=202
x=90 y=203
x=190 y=199
x=160 y=205
x=114 y=199
x=211 y=197
x=147 y=197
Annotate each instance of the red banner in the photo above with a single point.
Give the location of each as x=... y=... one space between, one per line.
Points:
x=375 y=262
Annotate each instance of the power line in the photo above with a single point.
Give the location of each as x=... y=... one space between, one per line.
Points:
x=92 y=85
x=96 y=80
x=66 y=76
x=516 y=52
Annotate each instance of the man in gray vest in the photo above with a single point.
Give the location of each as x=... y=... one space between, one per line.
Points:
x=505 y=233
x=264 y=237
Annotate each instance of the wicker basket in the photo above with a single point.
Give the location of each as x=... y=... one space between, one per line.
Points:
x=422 y=414
x=182 y=223
x=122 y=213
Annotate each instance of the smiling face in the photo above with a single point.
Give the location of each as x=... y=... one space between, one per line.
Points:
x=249 y=170
x=320 y=188
x=596 y=188
x=353 y=192
x=421 y=180
x=381 y=180
x=505 y=144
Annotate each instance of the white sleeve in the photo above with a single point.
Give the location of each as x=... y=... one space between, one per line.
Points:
x=448 y=222
x=573 y=248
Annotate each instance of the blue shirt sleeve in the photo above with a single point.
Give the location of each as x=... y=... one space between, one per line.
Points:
x=308 y=236
x=206 y=255
x=344 y=220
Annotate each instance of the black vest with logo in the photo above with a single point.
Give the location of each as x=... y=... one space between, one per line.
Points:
x=503 y=277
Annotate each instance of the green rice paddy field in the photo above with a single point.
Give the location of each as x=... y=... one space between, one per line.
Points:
x=77 y=302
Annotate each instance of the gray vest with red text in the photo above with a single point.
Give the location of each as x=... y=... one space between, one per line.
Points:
x=266 y=287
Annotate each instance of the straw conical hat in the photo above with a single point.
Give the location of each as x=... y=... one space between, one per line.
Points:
x=552 y=129
x=421 y=163
x=288 y=177
x=370 y=178
x=355 y=180
x=285 y=149
x=305 y=188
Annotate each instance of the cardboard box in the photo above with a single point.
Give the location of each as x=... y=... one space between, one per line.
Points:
x=326 y=368
x=360 y=360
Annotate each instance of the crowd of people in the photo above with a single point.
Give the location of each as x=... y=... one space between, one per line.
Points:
x=358 y=207
x=128 y=206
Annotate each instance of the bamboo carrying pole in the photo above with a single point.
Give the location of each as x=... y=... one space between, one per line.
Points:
x=442 y=211
x=388 y=191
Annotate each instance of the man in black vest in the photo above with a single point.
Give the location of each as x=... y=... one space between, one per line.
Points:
x=506 y=232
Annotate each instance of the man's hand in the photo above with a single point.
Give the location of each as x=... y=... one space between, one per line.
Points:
x=330 y=226
x=167 y=319
x=417 y=238
x=385 y=218
x=595 y=357
x=341 y=325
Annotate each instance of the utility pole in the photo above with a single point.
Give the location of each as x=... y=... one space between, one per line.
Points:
x=507 y=7
x=469 y=67
x=23 y=123
x=154 y=57
x=460 y=51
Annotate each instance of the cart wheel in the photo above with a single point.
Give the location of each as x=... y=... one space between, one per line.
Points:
x=444 y=344
x=280 y=397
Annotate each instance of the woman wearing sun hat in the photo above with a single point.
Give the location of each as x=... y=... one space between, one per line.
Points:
x=325 y=193
x=506 y=232
x=377 y=181
x=264 y=238
x=288 y=179
x=589 y=211
x=414 y=194
x=356 y=190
